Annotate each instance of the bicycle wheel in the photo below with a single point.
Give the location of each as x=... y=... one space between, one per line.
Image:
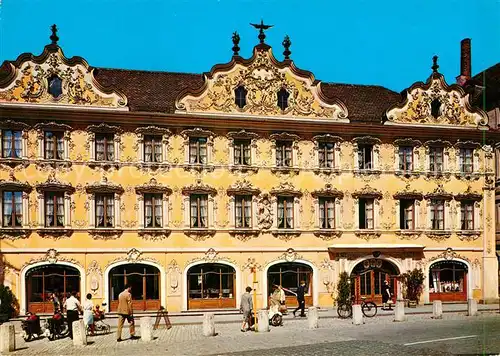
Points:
x=369 y=309
x=344 y=311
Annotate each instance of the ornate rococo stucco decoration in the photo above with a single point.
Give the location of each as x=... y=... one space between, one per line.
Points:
x=174 y=274
x=452 y=103
x=286 y=188
x=265 y=216
x=449 y=255
x=243 y=187
x=53 y=184
x=153 y=187
x=211 y=256
x=250 y=264
x=30 y=77
x=290 y=255
x=133 y=256
x=51 y=256
x=94 y=272
x=367 y=192
x=263 y=77
x=104 y=187
x=199 y=188
x=328 y=191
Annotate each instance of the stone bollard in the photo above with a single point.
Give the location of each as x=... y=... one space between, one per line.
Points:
x=472 y=307
x=146 y=329
x=357 y=315
x=313 y=317
x=399 y=312
x=263 y=321
x=7 y=338
x=208 y=324
x=437 y=309
x=79 y=333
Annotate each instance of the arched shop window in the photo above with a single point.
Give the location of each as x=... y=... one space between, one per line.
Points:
x=144 y=280
x=42 y=281
x=211 y=285
x=288 y=275
x=448 y=281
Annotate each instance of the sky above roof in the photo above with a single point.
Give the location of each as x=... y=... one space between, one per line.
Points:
x=388 y=43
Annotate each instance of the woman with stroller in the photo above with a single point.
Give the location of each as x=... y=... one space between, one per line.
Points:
x=88 y=313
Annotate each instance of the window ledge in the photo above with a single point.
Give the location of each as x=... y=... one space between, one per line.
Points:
x=285 y=234
x=367 y=171
x=199 y=234
x=328 y=171
x=243 y=168
x=285 y=170
x=154 y=166
x=105 y=233
x=54 y=162
x=14 y=233
x=55 y=232
x=468 y=176
x=198 y=167
x=444 y=174
x=438 y=235
x=407 y=234
x=407 y=174
x=244 y=234
x=103 y=164
x=327 y=234
x=154 y=234
x=468 y=235
x=367 y=234
x=13 y=162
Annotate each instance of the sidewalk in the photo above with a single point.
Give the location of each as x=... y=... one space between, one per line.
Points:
x=225 y=318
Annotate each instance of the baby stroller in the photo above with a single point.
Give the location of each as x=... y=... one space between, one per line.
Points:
x=99 y=326
x=31 y=327
x=276 y=307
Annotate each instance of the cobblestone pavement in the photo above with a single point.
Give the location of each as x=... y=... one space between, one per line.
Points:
x=376 y=336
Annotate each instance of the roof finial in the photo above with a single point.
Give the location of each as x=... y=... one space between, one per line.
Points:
x=54 y=37
x=287 y=43
x=261 y=27
x=236 y=41
x=435 y=65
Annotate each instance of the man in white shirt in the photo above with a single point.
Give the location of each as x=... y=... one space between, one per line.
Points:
x=73 y=307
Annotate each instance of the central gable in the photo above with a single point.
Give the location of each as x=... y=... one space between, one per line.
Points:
x=53 y=79
x=436 y=104
x=262 y=77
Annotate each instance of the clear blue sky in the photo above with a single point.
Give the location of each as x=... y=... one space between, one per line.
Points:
x=388 y=43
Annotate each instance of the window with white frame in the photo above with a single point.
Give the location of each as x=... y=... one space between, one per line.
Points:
x=53 y=143
x=365 y=156
x=284 y=150
x=466 y=160
x=153 y=210
x=153 y=149
x=326 y=154
x=12 y=143
x=104 y=142
x=242 y=152
x=437 y=215
x=405 y=158
x=366 y=153
x=198 y=147
x=104 y=210
x=285 y=212
x=198 y=210
x=436 y=159
x=242 y=149
x=105 y=147
x=467 y=215
x=54 y=209
x=366 y=213
x=326 y=212
x=12 y=208
x=284 y=154
x=407 y=215
x=243 y=211
x=152 y=144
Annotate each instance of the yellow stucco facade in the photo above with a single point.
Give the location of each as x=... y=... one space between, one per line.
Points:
x=176 y=246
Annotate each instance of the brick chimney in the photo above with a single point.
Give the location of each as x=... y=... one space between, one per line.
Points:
x=465 y=62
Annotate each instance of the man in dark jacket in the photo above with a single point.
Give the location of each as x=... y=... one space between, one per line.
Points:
x=301 y=291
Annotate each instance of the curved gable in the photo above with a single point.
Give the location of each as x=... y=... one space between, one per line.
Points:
x=436 y=104
x=263 y=76
x=30 y=76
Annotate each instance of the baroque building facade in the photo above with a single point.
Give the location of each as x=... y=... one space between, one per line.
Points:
x=190 y=186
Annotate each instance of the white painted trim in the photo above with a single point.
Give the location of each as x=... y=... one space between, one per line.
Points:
x=163 y=279
x=315 y=286
x=227 y=249
x=184 y=294
x=352 y=264
x=24 y=301
x=470 y=272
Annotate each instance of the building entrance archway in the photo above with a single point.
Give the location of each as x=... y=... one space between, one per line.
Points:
x=144 y=280
x=288 y=275
x=368 y=277
x=42 y=281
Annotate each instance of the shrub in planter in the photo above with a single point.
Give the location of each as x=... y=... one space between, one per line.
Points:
x=413 y=285
x=10 y=306
x=343 y=289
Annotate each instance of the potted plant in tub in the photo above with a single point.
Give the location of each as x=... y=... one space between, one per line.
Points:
x=413 y=285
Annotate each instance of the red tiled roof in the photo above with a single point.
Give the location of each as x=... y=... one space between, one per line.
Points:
x=157 y=91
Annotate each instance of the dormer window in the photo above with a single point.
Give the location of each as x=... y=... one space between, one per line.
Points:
x=283 y=99
x=240 y=96
x=55 y=86
x=435 y=108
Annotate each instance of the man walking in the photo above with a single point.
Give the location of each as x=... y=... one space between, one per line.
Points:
x=125 y=312
x=246 y=307
x=73 y=307
x=301 y=291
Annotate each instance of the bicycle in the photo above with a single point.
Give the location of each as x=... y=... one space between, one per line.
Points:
x=368 y=307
